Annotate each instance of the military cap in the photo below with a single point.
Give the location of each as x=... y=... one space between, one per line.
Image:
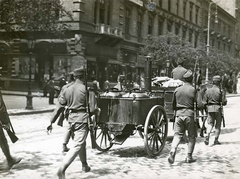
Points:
x=188 y=76
x=216 y=78
x=79 y=71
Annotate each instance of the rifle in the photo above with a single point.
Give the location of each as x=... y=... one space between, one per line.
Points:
x=90 y=122
x=10 y=133
x=196 y=117
x=221 y=105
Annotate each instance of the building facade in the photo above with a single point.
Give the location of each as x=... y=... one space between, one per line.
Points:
x=107 y=35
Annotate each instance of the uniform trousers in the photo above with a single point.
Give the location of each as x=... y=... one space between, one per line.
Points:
x=214 y=119
x=182 y=124
x=4 y=144
x=79 y=133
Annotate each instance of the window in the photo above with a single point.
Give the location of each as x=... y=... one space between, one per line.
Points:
x=184 y=33
x=196 y=40
x=160 y=27
x=169 y=26
x=196 y=15
x=191 y=12
x=190 y=36
x=127 y=21
x=177 y=27
x=104 y=12
x=177 y=7
x=169 y=5
x=184 y=9
x=139 y=27
x=150 y=24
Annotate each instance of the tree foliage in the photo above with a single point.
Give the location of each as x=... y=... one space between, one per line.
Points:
x=34 y=16
x=171 y=47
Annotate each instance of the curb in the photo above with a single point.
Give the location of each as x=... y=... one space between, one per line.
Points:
x=26 y=112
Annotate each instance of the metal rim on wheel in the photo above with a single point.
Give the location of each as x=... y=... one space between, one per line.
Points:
x=155 y=130
x=103 y=139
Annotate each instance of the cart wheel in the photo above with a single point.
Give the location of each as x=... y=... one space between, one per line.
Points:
x=155 y=130
x=103 y=139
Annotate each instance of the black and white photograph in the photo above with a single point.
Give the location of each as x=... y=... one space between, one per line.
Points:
x=113 y=89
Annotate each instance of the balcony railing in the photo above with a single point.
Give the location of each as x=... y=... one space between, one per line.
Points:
x=107 y=29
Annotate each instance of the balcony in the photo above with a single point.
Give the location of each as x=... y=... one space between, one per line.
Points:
x=108 y=35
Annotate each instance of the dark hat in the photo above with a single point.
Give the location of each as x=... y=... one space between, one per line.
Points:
x=181 y=60
x=188 y=76
x=79 y=71
x=216 y=78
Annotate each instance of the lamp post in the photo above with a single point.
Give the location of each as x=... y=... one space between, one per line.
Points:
x=168 y=65
x=208 y=33
x=148 y=72
x=29 y=95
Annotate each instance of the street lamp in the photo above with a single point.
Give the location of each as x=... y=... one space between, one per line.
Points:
x=168 y=65
x=29 y=96
x=208 y=32
x=148 y=72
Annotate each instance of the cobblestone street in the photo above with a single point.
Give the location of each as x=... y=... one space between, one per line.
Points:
x=42 y=154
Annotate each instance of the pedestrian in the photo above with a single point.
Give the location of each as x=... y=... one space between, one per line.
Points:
x=183 y=104
x=177 y=73
x=6 y=124
x=62 y=82
x=74 y=98
x=214 y=98
x=59 y=112
x=51 y=90
x=45 y=87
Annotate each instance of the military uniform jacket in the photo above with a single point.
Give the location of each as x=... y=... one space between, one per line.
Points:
x=178 y=72
x=183 y=100
x=74 y=97
x=211 y=98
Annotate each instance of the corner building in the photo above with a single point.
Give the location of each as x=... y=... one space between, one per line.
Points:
x=107 y=36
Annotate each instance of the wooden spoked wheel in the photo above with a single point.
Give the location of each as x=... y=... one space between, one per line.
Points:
x=103 y=138
x=155 y=130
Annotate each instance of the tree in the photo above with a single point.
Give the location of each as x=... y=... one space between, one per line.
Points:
x=171 y=47
x=19 y=16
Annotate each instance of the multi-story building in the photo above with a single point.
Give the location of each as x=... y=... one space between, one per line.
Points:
x=107 y=36
x=233 y=8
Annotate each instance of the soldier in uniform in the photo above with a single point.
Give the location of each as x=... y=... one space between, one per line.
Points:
x=177 y=73
x=59 y=112
x=5 y=123
x=74 y=97
x=183 y=104
x=213 y=98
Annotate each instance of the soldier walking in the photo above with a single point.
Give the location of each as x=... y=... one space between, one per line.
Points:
x=5 y=123
x=214 y=98
x=183 y=104
x=59 y=113
x=74 y=97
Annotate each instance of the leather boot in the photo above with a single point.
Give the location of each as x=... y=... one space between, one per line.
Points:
x=65 y=148
x=171 y=157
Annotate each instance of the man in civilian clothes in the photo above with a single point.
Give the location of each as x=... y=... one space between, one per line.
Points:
x=74 y=97
x=183 y=104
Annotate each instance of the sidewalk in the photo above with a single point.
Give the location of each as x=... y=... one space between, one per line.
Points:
x=40 y=104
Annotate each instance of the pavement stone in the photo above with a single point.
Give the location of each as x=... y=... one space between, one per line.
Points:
x=42 y=154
